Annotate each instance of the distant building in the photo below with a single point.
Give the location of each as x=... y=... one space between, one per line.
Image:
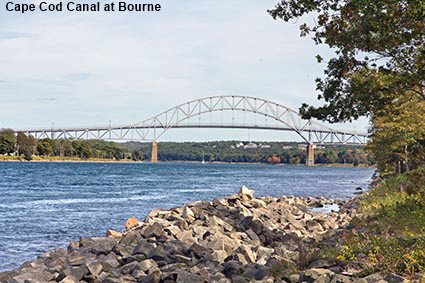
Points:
x=287 y=147
x=238 y=145
x=302 y=146
x=250 y=145
x=265 y=146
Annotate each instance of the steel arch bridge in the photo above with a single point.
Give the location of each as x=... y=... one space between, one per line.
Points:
x=179 y=117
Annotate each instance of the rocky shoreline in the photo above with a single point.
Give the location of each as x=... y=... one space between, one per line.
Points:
x=237 y=239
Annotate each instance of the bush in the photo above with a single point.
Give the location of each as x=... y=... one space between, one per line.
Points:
x=415 y=181
x=389 y=234
x=27 y=156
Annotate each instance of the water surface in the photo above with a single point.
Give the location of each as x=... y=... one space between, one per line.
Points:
x=45 y=205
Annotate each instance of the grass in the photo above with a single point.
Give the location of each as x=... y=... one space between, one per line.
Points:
x=58 y=159
x=389 y=233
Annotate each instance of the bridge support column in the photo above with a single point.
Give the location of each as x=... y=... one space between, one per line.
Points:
x=310 y=155
x=154 y=155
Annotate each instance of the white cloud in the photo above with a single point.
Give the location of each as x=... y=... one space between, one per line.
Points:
x=129 y=66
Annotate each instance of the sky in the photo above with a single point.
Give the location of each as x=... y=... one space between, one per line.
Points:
x=89 y=68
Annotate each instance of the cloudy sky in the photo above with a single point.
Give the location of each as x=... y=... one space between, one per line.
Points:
x=87 y=68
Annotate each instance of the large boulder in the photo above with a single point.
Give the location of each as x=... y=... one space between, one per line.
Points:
x=244 y=191
x=101 y=245
x=187 y=277
x=131 y=222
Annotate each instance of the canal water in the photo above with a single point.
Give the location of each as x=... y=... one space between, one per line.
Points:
x=45 y=205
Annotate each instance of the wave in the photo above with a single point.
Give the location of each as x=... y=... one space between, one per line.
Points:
x=78 y=200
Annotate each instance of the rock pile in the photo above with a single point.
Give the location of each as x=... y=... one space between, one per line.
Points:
x=237 y=239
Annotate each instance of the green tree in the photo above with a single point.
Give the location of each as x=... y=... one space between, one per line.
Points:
x=137 y=155
x=379 y=48
x=82 y=150
x=63 y=147
x=45 y=147
x=398 y=136
x=27 y=145
x=7 y=141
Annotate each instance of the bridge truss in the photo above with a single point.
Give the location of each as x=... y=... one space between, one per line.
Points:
x=181 y=116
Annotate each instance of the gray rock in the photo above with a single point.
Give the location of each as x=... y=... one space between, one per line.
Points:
x=137 y=274
x=187 y=277
x=76 y=260
x=186 y=236
x=172 y=230
x=148 y=264
x=129 y=238
x=324 y=278
x=124 y=250
x=246 y=222
x=34 y=275
x=322 y=263
x=264 y=252
x=69 y=279
x=110 y=262
x=182 y=259
x=73 y=246
x=316 y=273
x=338 y=278
x=219 y=255
x=249 y=255
x=254 y=272
x=155 y=230
x=77 y=271
x=144 y=248
x=121 y=279
x=247 y=192
x=173 y=267
x=239 y=279
x=94 y=267
x=252 y=235
x=188 y=213
x=232 y=268
x=294 y=277
x=394 y=278
x=199 y=251
x=131 y=267
x=375 y=277
x=151 y=278
x=101 y=245
x=157 y=254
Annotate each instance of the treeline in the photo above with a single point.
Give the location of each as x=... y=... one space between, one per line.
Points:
x=270 y=152
x=27 y=146
x=19 y=144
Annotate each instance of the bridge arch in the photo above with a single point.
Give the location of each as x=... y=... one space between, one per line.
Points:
x=173 y=117
x=153 y=128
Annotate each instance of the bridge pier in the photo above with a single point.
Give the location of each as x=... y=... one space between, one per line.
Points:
x=154 y=155
x=310 y=155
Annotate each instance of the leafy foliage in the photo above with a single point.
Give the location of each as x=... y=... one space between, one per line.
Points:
x=28 y=146
x=379 y=47
x=221 y=151
x=7 y=141
x=390 y=233
x=398 y=135
x=234 y=151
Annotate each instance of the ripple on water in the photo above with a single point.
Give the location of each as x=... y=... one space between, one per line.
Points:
x=45 y=205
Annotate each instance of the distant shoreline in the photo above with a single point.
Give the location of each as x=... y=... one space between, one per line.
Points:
x=100 y=160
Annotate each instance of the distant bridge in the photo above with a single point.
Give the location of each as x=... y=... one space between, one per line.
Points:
x=180 y=116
